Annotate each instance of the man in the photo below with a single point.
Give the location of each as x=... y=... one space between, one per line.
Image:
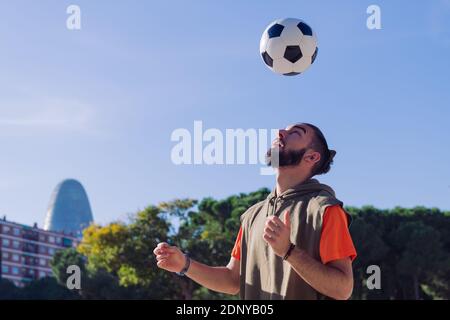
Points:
x=293 y=245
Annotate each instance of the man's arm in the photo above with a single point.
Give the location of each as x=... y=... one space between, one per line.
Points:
x=335 y=279
x=221 y=279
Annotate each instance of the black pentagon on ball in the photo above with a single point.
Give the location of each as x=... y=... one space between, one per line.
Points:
x=293 y=53
x=275 y=30
x=305 y=29
x=291 y=74
x=267 y=59
x=313 y=58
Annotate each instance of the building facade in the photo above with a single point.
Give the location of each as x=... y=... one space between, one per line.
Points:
x=26 y=251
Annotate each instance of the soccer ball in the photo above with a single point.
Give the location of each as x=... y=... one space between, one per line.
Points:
x=288 y=46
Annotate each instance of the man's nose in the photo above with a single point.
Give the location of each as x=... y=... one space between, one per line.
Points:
x=282 y=133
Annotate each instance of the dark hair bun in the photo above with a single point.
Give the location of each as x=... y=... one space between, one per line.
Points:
x=332 y=154
x=328 y=162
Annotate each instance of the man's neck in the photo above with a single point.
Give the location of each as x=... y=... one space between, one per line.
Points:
x=288 y=178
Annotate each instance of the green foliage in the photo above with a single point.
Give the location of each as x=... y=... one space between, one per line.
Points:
x=47 y=289
x=8 y=290
x=42 y=289
x=411 y=246
x=62 y=260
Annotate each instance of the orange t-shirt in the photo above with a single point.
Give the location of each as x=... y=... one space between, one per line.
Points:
x=335 y=241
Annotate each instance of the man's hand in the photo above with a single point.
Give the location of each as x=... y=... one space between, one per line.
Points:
x=278 y=234
x=169 y=257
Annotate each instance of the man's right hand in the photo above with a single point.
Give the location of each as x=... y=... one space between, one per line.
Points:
x=169 y=258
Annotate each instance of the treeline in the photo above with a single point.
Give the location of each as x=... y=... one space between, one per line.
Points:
x=410 y=246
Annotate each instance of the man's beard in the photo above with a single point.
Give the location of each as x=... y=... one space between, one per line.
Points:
x=286 y=158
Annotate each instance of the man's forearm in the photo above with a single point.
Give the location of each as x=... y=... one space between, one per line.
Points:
x=214 y=278
x=327 y=280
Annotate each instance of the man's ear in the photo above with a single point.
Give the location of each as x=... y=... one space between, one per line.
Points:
x=313 y=157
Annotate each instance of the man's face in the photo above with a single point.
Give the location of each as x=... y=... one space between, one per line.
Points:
x=292 y=144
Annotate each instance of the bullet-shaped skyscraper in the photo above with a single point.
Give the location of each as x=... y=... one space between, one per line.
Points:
x=69 y=210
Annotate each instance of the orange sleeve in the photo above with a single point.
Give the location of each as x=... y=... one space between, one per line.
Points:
x=336 y=242
x=236 y=253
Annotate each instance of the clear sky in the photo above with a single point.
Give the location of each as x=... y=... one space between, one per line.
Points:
x=99 y=104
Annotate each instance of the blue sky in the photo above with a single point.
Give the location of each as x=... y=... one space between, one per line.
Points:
x=100 y=104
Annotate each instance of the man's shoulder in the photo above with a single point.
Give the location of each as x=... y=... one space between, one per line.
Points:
x=323 y=200
x=252 y=211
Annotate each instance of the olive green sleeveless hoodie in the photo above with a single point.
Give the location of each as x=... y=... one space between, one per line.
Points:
x=264 y=275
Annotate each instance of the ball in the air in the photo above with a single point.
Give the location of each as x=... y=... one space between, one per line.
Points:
x=288 y=46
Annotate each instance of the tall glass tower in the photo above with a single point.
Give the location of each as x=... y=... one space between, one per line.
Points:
x=69 y=210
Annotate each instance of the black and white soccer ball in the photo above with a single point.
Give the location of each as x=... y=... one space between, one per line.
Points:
x=288 y=46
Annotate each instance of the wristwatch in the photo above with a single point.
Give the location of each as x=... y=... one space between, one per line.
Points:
x=186 y=266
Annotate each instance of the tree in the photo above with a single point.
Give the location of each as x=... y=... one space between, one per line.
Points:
x=420 y=254
x=125 y=252
x=411 y=246
x=8 y=291
x=47 y=288
x=408 y=246
x=62 y=260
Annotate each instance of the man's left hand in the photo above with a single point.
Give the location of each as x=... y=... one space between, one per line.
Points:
x=277 y=234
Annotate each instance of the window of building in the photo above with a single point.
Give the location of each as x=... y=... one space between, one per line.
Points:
x=42 y=262
x=16 y=244
x=16 y=231
x=5 y=255
x=42 y=249
x=6 y=229
x=5 y=242
x=67 y=242
x=42 y=237
x=58 y=240
x=42 y=274
x=31 y=247
x=15 y=257
x=51 y=239
x=5 y=269
x=15 y=270
x=51 y=251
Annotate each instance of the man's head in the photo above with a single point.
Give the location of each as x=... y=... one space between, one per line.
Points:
x=304 y=146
